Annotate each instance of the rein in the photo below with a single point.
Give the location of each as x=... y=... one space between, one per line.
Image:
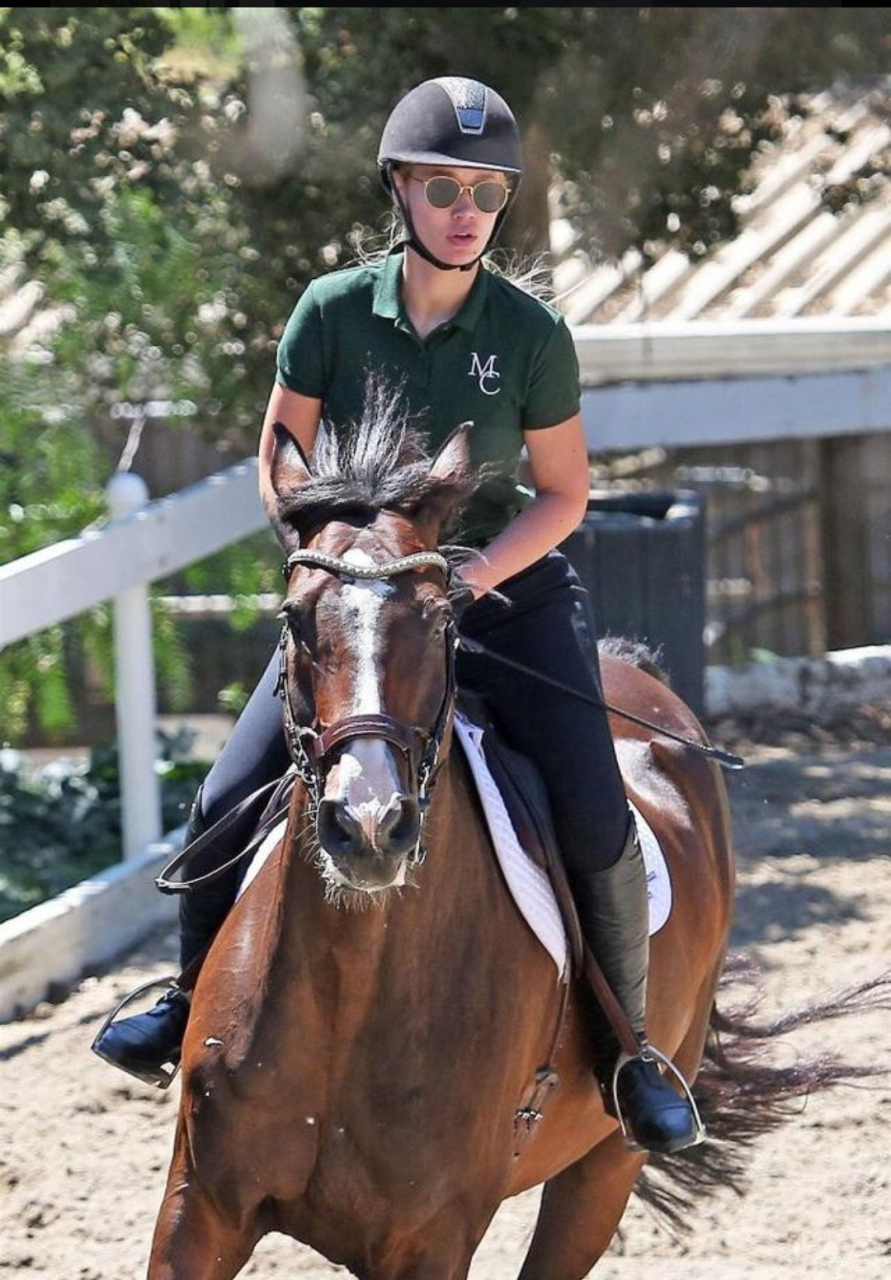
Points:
x=310 y=748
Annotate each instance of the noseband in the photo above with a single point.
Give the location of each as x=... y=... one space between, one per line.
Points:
x=310 y=749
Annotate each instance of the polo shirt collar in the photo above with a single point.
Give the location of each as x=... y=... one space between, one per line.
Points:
x=388 y=294
x=472 y=309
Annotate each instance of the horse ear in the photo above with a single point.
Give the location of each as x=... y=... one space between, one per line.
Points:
x=290 y=468
x=451 y=467
x=452 y=459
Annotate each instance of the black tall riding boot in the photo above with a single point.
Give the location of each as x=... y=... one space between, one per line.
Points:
x=147 y=1045
x=614 y=917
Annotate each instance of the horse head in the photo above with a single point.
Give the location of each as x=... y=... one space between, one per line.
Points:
x=367 y=675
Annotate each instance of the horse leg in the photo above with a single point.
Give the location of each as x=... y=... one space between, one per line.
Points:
x=191 y=1240
x=581 y=1209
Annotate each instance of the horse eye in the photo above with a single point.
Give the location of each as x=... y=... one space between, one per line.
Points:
x=438 y=615
x=293 y=616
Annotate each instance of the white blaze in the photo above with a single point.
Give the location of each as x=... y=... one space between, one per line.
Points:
x=365 y=777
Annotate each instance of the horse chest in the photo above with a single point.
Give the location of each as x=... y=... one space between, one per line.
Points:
x=370 y=1182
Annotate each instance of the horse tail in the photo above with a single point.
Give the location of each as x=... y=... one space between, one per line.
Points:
x=741 y=1096
x=636 y=654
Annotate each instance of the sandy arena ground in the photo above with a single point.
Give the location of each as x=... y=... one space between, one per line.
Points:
x=85 y=1149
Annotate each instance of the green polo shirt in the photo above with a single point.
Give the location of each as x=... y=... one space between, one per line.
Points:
x=506 y=362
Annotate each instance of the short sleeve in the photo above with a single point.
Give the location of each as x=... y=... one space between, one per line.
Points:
x=299 y=362
x=553 y=392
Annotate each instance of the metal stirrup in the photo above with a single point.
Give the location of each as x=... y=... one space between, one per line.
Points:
x=649 y=1051
x=164 y=1076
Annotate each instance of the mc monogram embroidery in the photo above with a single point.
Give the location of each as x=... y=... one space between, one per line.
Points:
x=486 y=374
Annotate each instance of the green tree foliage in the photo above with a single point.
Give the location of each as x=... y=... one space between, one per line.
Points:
x=121 y=222
x=111 y=204
x=648 y=115
x=68 y=79
x=145 y=193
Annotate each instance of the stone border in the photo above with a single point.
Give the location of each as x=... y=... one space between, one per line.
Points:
x=818 y=686
x=50 y=947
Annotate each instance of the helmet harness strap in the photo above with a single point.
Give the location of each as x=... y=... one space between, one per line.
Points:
x=414 y=241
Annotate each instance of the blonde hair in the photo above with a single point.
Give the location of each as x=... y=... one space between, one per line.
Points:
x=531 y=274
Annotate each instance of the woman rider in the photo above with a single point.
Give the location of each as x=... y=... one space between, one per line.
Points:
x=463 y=344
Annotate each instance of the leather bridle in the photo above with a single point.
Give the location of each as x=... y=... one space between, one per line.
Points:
x=311 y=748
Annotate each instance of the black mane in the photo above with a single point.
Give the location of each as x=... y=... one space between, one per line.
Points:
x=380 y=463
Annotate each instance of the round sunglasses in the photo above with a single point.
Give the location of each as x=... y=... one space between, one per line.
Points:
x=442 y=192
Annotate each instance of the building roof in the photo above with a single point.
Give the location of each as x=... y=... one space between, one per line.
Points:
x=793 y=257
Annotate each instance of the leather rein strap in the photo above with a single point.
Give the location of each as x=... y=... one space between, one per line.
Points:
x=208 y=838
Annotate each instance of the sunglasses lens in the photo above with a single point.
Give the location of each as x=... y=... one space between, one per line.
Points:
x=442 y=192
x=489 y=197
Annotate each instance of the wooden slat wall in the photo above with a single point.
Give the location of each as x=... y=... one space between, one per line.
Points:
x=799 y=535
x=798 y=538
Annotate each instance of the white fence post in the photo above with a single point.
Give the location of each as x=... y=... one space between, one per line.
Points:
x=135 y=690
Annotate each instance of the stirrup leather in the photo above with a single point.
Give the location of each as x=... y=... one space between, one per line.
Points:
x=164 y=1076
x=649 y=1051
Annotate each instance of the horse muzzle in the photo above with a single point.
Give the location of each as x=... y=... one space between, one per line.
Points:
x=369 y=846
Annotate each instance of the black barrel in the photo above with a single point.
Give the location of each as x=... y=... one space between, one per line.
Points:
x=642 y=558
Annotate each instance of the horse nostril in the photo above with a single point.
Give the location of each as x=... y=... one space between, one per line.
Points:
x=400 y=826
x=338 y=830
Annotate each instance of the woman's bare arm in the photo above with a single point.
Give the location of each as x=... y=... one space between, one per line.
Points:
x=558 y=459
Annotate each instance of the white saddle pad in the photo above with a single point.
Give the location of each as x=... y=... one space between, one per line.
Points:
x=261 y=855
x=528 y=884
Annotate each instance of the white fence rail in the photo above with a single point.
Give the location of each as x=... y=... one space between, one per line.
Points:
x=168 y=534
x=142 y=542
x=52 y=944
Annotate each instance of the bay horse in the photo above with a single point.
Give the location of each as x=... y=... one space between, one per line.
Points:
x=368 y=1023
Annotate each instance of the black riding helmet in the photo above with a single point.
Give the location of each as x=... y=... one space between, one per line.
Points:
x=450 y=121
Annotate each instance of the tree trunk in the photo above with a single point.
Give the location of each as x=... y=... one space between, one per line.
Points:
x=527 y=229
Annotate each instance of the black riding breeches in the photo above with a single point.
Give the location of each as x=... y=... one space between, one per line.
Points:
x=547 y=624
x=255 y=753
